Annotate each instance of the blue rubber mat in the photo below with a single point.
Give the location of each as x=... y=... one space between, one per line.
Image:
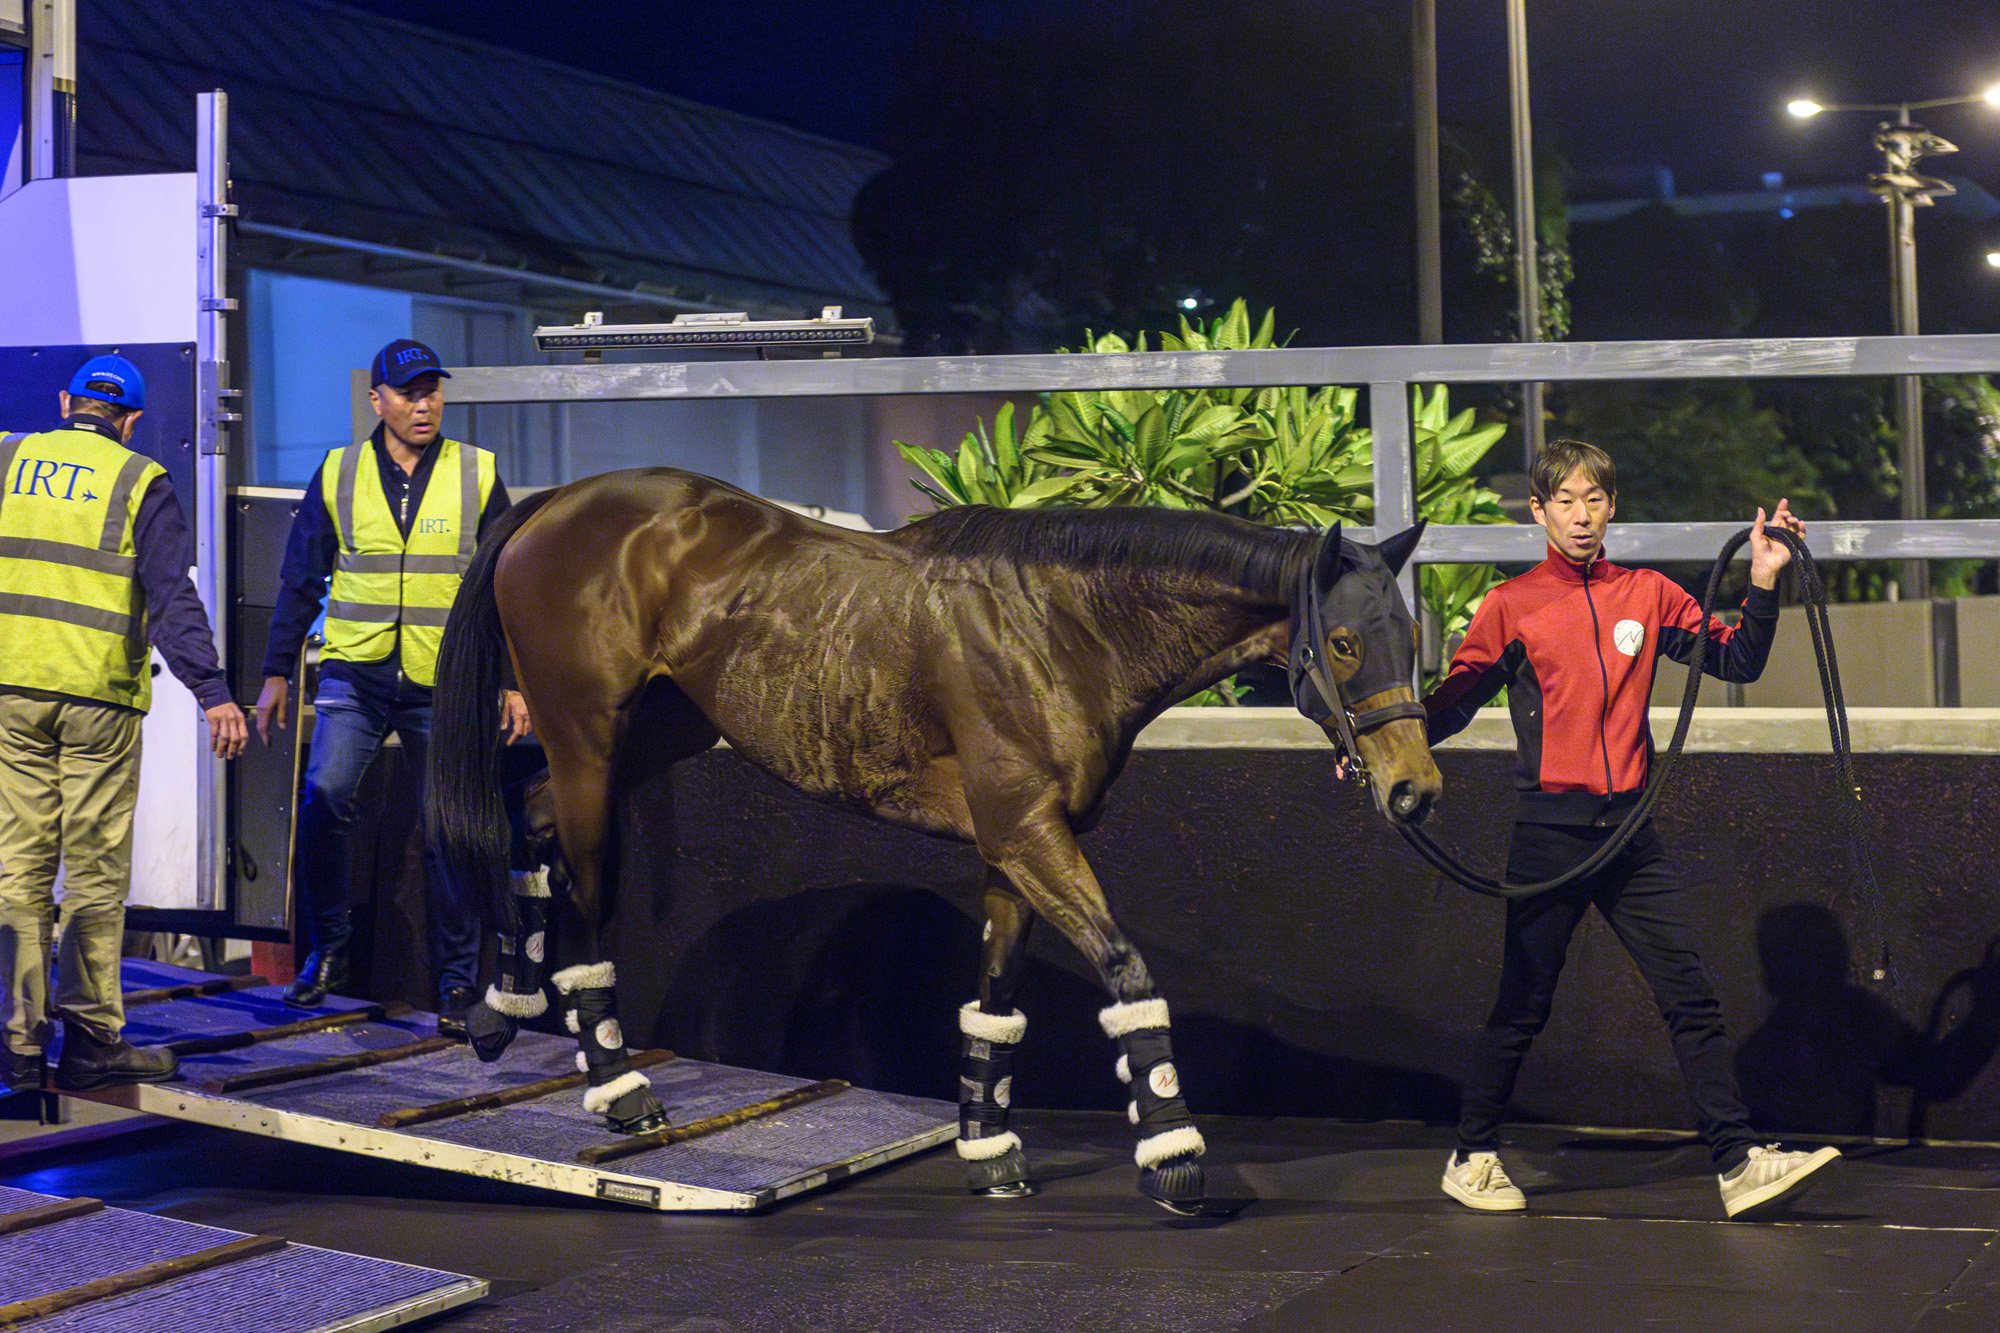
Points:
x=757 y=1162
x=749 y=1158
x=297 y=1289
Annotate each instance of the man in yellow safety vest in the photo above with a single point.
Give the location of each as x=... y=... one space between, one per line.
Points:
x=392 y=521
x=94 y=559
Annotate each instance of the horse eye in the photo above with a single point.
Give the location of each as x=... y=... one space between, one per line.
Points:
x=1345 y=646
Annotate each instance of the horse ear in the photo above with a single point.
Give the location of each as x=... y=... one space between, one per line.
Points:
x=1397 y=550
x=1326 y=565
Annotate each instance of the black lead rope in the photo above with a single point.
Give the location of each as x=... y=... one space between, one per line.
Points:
x=1812 y=595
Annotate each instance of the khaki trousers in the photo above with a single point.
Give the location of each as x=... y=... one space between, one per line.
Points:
x=69 y=779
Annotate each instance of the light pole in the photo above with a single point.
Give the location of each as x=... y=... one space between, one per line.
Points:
x=1527 y=263
x=1424 y=123
x=1902 y=144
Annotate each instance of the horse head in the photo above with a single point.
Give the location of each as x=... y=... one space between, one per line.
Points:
x=1353 y=656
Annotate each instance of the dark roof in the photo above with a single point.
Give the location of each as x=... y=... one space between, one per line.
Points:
x=485 y=155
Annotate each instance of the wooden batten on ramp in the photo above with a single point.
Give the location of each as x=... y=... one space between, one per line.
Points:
x=333 y=1084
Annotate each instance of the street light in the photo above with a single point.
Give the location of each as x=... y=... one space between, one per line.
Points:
x=1902 y=144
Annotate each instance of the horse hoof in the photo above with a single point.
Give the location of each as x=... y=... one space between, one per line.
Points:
x=645 y=1123
x=637 y=1112
x=1002 y=1177
x=1013 y=1189
x=1179 y=1187
x=489 y=1032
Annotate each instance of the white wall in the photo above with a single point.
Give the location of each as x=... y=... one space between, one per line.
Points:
x=111 y=260
x=98 y=260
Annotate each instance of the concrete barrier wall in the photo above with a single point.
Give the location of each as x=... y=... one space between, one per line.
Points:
x=1884 y=652
x=1313 y=964
x=1316 y=967
x=1978 y=624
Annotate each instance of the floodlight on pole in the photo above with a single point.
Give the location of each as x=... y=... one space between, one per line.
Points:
x=1902 y=144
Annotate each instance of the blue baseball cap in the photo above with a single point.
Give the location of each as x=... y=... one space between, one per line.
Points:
x=110 y=379
x=402 y=361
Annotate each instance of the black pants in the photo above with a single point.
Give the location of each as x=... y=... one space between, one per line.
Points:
x=1647 y=906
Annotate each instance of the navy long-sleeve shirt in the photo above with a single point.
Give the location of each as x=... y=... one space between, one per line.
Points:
x=310 y=553
x=176 y=622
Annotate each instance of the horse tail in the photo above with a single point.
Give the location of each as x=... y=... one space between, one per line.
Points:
x=465 y=817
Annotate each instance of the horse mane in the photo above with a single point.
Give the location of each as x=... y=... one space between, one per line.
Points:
x=1263 y=559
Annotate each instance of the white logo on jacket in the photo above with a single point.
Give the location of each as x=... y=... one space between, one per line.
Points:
x=1627 y=635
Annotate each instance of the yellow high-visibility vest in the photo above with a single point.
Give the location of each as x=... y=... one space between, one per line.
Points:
x=72 y=612
x=385 y=585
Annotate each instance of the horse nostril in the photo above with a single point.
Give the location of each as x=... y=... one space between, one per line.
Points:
x=1408 y=803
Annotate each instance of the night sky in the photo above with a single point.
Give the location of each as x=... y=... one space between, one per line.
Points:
x=1620 y=86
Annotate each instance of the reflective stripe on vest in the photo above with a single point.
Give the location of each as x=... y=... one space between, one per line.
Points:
x=386 y=587
x=72 y=613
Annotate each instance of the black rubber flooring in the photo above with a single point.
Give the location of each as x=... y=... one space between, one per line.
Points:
x=1344 y=1229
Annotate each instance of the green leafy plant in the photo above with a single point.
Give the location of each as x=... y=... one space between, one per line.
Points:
x=1273 y=455
x=1447 y=449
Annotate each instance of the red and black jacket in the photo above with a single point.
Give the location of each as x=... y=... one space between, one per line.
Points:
x=1576 y=647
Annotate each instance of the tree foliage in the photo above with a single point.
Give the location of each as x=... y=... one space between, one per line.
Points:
x=1694 y=450
x=1292 y=456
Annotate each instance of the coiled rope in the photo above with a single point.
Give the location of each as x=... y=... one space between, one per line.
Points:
x=1812 y=596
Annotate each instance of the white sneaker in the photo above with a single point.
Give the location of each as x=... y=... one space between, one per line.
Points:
x=1770 y=1174
x=1481 y=1182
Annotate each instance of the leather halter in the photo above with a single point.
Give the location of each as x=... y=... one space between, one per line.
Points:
x=1325 y=699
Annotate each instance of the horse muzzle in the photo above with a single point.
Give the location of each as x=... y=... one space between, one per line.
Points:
x=1408 y=803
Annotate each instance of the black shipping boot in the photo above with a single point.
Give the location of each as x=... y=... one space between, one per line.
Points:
x=994 y=1163
x=519 y=997
x=622 y=1094
x=1170 y=1147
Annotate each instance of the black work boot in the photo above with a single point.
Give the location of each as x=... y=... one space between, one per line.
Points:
x=324 y=974
x=88 y=1063
x=23 y=1071
x=453 y=1006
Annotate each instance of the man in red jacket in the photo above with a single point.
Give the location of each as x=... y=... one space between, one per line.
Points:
x=1575 y=642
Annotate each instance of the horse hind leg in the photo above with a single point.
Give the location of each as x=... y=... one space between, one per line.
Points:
x=990 y=1032
x=580 y=777
x=1039 y=855
x=520 y=994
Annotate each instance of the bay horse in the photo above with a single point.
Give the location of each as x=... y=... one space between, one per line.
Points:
x=979 y=674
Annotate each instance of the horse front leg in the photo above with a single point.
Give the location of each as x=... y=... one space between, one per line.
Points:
x=990 y=1030
x=1038 y=855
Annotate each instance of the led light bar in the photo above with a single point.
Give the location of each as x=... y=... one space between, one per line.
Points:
x=707 y=330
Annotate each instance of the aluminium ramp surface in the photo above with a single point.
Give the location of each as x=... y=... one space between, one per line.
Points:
x=742 y=1168
x=291 y=1289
